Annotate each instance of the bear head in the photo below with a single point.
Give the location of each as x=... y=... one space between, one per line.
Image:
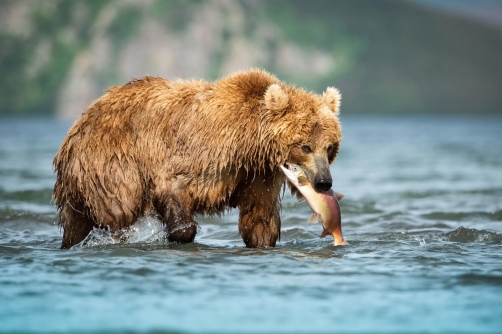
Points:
x=307 y=128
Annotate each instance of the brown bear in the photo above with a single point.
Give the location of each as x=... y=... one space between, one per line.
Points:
x=178 y=149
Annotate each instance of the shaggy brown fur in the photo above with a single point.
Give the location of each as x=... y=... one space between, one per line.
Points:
x=177 y=149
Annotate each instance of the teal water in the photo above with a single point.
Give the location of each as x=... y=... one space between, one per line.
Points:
x=422 y=214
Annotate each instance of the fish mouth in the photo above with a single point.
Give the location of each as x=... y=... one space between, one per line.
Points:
x=287 y=169
x=292 y=181
x=288 y=172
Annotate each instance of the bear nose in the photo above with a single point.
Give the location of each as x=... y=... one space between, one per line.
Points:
x=323 y=184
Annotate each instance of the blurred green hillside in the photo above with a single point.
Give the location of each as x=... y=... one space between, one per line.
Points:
x=385 y=56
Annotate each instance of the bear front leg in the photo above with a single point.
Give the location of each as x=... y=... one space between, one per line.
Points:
x=180 y=226
x=259 y=227
x=259 y=221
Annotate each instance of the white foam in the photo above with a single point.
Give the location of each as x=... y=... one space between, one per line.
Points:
x=146 y=229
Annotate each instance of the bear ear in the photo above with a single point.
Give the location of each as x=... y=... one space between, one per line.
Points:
x=332 y=98
x=276 y=99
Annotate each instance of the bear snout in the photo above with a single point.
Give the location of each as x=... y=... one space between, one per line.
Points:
x=322 y=177
x=323 y=184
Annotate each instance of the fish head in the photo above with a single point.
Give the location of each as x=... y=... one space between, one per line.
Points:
x=295 y=175
x=297 y=170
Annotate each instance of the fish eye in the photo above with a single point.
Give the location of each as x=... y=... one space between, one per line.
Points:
x=306 y=149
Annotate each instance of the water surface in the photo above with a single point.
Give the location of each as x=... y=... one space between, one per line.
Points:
x=422 y=214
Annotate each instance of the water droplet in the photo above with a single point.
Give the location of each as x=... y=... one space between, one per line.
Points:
x=421 y=241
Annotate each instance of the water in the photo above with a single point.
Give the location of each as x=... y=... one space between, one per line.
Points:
x=422 y=214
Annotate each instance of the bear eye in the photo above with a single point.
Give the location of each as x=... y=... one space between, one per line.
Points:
x=306 y=148
x=332 y=150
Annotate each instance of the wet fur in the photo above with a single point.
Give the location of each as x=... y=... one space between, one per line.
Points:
x=176 y=149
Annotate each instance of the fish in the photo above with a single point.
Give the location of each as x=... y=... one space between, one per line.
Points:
x=324 y=205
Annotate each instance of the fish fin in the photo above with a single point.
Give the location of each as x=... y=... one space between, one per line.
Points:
x=339 y=196
x=324 y=233
x=315 y=218
x=299 y=197
x=302 y=181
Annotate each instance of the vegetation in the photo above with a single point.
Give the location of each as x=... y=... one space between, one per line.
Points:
x=33 y=64
x=390 y=56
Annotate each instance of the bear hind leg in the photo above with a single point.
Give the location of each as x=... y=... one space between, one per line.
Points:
x=180 y=226
x=76 y=226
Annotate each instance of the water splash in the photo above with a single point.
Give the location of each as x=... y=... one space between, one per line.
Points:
x=146 y=229
x=421 y=241
x=97 y=237
x=463 y=234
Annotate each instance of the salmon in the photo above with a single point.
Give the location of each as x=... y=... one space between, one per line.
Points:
x=324 y=205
